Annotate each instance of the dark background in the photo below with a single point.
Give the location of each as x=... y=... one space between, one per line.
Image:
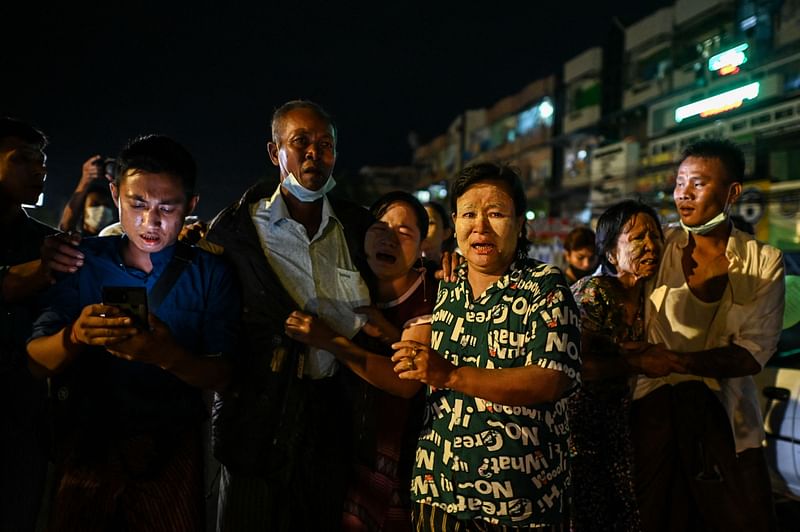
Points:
x=210 y=74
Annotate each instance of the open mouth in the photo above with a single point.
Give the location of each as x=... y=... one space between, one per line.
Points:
x=649 y=262
x=150 y=239
x=483 y=247
x=385 y=257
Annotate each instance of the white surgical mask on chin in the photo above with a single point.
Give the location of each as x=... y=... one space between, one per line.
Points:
x=293 y=187
x=97 y=217
x=710 y=225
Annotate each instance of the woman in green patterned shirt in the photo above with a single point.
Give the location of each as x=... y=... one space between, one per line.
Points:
x=503 y=358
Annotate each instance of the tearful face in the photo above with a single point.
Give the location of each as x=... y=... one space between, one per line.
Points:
x=638 y=249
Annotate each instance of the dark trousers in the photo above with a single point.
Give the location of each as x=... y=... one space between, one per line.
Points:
x=309 y=495
x=687 y=472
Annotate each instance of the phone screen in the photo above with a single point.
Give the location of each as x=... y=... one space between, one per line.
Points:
x=130 y=299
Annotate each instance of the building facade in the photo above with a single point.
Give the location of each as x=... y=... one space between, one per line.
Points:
x=589 y=136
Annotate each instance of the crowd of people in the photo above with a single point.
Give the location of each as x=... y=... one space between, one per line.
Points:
x=382 y=369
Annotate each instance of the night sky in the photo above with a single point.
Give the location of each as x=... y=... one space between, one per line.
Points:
x=210 y=75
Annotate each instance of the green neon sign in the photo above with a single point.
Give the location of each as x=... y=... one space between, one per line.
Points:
x=729 y=58
x=720 y=103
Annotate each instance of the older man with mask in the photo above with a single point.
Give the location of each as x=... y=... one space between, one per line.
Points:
x=282 y=429
x=713 y=319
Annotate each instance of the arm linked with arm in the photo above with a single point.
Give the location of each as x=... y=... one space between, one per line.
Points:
x=749 y=347
x=552 y=362
x=373 y=368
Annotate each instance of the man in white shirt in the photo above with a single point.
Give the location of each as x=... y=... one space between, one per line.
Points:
x=282 y=429
x=713 y=320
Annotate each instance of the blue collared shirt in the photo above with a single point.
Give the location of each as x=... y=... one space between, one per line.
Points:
x=201 y=311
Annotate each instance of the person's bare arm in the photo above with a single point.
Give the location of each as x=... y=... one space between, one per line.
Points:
x=378 y=326
x=508 y=386
x=73 y=210
x=97 y=325
x=375 y=369
x=719 y=362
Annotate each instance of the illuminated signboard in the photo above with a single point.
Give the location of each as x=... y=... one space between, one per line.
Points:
x=728 y=62
x=718 y=104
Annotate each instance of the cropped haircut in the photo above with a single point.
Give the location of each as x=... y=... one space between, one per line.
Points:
x=280 y=114
x=579 y=238
x=728 y=153
x=11 y=127
x=612 y=223
x=491 y=171
x=158 y=154
x=383 y=203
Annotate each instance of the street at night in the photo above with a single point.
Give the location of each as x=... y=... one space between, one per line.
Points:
x=431 y=266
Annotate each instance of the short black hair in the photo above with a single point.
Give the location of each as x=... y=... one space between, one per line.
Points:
x=493 y=171
x=579 y=238
x=612 y=222
x=728 y=153
x=383 y=203
x=157 y=154
x=280 y=113
x=12 y=127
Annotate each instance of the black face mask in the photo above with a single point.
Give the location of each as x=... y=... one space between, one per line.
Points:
x=578 y=273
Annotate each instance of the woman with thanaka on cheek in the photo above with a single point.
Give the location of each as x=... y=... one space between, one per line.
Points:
x=490 y=371
x=629 y=243
x=389 y=409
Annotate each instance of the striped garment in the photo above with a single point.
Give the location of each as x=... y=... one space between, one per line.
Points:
x=112 y=496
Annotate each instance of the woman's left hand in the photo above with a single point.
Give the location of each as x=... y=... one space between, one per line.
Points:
x=417 y=361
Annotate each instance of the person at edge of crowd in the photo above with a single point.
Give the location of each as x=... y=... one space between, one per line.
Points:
x=129 y=445
x=713 y=318
x=378 y=497
x=611 y=304
x=504 y=356
x=30 y=256
x=91 y=207
x=579 y=254
x=439 y=237
x=283 y=430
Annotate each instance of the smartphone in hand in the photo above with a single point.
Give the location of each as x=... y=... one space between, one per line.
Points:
x=132 y=300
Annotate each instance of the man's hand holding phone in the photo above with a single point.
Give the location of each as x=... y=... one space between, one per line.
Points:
x=101 y=325
x=154 y=345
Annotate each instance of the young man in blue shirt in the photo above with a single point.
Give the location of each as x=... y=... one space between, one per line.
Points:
x=131 y=455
